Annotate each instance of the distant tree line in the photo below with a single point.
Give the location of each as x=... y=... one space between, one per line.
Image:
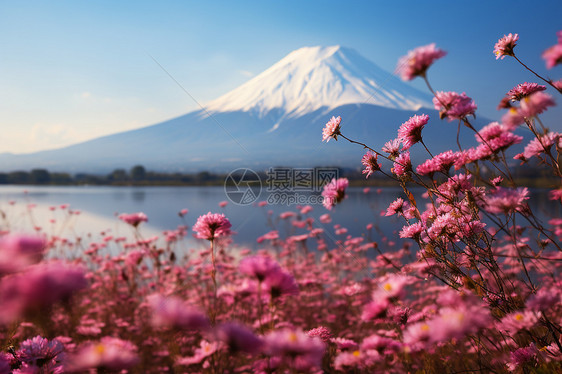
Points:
x=139 y=176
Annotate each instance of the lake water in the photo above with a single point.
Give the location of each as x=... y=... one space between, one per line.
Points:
x=99 y=207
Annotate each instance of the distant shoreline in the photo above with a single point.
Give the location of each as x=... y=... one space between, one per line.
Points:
x=139 y=176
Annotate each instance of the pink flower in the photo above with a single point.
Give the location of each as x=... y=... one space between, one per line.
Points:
x=211 y=226
x=356 y=361
x=238 y=338
x=296 y=345
x=205 y=350
x=345 y=344
x=497 y=137
x=402 y=164
x=504 y=46
x=39 y=352
x=392 y=148
x=173 y=312
x=459 y=321
x=222 y=204
x=134 y=219
x=334 y=192
x=412 y=231
x=516 y=321
x=109 y=353
x=441 y=162
x=523 y=357
x=541 y=145
x=258 y=267
x=370 y=162
x=182 y=212
x=512 y=118
x=37 y=288
x=506 y=200
x=417 y=61
x=535 y=104
x=325 y=218
x=553 y=55
x=417 y=336
x=381 y=344
x=453 y=105
x=376 y=309
x=322 y=333
x=392 y=286
x=544 y=299
x=332 y=129
x=523 y=90
x=410 y=131
x=555 y=195
x=280 y=283
x=396 y=207
x=20 y=251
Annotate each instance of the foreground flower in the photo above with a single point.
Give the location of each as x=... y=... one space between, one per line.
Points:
x=523 y=357
x=536 y=103
x=40 y=352
x=20 y=251
x=504 y=46
x=211 y=226
x=334 y=192
x=453 y=105
x=506 y=200
x=541 y=145
x=553 y=55
x=36 y=289
x=370 y=161
x=417 y=61
x=133 y=219
x=297 y=347
x=332 y=129
x=108 y=354
x=402 y=164
x=410 y=131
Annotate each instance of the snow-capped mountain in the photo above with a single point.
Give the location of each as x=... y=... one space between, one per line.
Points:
x=311 y=78
x=275 y=119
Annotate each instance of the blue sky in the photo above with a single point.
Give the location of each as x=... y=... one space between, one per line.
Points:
x=72 y=71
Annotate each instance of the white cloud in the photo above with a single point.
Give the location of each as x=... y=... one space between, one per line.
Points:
x=49 y=136
x=246 y=73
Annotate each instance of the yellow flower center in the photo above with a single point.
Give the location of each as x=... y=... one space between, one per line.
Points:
x=293 y=337
x=356 y=353
x=425 y=327
x=519 y=317
x=387 y=287
x=99 y=349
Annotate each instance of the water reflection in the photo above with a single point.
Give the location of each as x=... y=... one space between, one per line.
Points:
x=162 y=205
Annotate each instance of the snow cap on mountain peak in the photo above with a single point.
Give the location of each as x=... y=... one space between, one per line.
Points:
x=311 y=78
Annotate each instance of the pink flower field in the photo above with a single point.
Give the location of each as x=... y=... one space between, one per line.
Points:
x=474 y=286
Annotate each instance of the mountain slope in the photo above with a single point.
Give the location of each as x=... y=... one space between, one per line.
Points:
x=314 y=77
x=274 y=119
